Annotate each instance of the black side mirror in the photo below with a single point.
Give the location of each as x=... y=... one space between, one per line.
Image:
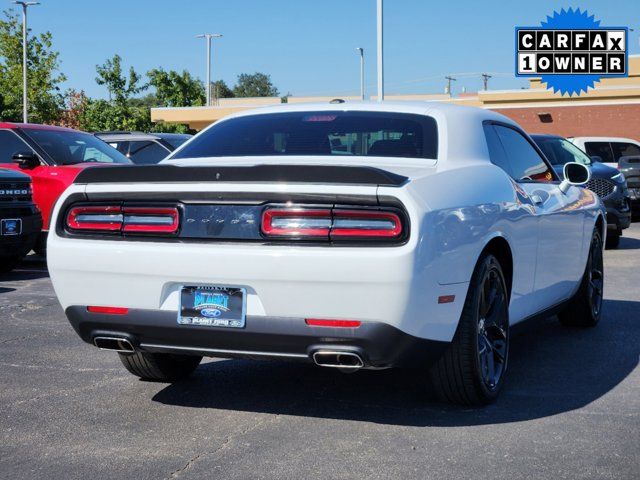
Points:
x=26 y=160
x=596 y=158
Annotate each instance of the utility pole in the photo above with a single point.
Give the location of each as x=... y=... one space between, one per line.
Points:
x=208 y=37
x=485 y=80
x=360 y=50
x=380 y=53
x=449 y=79
x=25 y=105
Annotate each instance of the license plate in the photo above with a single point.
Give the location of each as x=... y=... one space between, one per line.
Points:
x=11 y=226
x=212 y=306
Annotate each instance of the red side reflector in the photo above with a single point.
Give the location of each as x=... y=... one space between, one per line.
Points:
x=108 y=310
x=446 y=298
x=317 y=322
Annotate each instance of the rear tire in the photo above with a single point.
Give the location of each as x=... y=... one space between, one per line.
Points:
x=585 y=308
x=613 y=240
x=472 y=370
x=163 y=367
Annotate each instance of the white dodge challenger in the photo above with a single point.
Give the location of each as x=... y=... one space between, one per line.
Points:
x=352 y=235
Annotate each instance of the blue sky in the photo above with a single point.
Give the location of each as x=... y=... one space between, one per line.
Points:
x=308 y=46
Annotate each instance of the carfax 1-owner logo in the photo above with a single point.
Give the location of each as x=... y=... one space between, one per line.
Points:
x=571 y=51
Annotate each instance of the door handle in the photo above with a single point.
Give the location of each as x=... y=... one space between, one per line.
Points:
x=537 y=199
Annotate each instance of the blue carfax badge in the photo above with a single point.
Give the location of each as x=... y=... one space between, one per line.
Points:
x=571 y=51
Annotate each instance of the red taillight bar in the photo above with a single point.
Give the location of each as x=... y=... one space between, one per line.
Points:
x=108 y=310
x=365 y=223
x=320 y=322
x=150 y=220
x=115 y=219
x=331 y=223
x=106 y=218
x=298 y=222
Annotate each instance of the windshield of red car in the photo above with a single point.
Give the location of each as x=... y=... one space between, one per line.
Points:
x=70 y=148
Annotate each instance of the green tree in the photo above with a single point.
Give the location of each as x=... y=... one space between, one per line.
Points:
x=254 y=85
x=44 y=77
x=219 y=89
x=121 y=88
x=174 y=89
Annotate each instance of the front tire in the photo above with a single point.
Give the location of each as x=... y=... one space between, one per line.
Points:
x=40 y=246
x=613 y=240
x=472 y=370
x=162 y=367
x=8 y=263
x=585 y=308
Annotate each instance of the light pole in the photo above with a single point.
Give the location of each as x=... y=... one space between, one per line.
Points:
x=380 y=54
x=360 y=50
x=208 y=37
x=25 y=5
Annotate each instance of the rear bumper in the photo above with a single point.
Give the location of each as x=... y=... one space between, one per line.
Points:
x=20 y=245
x=378 y=344
x=618 y=219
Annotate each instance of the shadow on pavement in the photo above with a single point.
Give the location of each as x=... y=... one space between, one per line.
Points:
x=30 y=268
x=628 y=243
x=553 y=369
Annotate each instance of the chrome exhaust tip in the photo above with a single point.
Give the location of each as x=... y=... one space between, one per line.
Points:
x=337 y=359
x=114 y=344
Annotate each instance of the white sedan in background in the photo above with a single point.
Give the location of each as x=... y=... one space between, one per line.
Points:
x=352 y=235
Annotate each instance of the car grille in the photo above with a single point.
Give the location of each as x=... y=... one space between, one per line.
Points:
x=601 y=187
x=14 y=192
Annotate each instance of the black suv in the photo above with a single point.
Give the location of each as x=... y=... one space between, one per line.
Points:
x=20 y=219
x=606 y=182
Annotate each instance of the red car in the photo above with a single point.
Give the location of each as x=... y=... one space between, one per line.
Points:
x=52 y=157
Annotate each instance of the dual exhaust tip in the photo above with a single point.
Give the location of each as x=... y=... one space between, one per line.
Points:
x=337 y=359
x=322 y=358
x=114 y=344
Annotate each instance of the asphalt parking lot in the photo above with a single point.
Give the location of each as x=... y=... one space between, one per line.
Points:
x=571 y=408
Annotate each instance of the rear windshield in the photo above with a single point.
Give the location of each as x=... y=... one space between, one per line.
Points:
x=319 y=133
x=69 y=148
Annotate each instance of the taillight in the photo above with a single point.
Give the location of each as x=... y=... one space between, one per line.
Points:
x=296 y=222
x=150 y=220
x=116 y=219
x=106 y=219
x=331 y=224
x=365 y=223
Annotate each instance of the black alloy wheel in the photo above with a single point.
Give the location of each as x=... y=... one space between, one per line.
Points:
x=493 y=328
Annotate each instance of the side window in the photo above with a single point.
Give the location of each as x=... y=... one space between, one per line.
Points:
x=526 y=164
x=10 y=144
x=146 y=153
x=496 y=152
x=600 y=149
x=624 y=149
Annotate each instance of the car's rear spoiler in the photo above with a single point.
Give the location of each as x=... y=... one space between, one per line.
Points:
x=259 y=173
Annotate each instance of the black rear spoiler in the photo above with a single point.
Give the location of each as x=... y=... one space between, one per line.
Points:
x=259 y=173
